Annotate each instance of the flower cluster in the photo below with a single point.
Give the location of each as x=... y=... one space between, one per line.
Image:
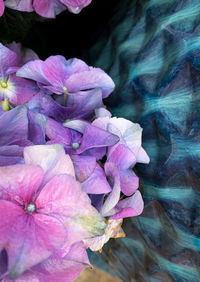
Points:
x=66 y=166
x=45 y=8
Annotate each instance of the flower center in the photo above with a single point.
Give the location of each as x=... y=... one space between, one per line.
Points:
x=4 y=84
x=31 y=208
x=75 y=145
x=65 y=89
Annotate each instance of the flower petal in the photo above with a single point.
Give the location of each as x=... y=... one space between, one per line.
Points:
x=8 y=59
x=94 y=78
x=33 y=240
x=48 y=8
x=128 y=207
x=84 y=166
x=2 y=7
x=59 y=197
x=102 y=138
x=20 y=5
x=113 y=198
x=51 y=158
x=33 y=70
x=13 y=126
x=96 y=182
x=10 y=155
x=20 y=182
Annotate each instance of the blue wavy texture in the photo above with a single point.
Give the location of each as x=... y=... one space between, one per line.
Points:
x=152 y=51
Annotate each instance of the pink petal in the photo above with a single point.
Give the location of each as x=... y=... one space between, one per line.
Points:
x=132 y=206
x=129 y=182
x=55 y=69
x=2 y=7
x=20 y=182
x=51 y=158
x=58 y=267
x=59 y=197
x=34 y=239
x=122 y=157
x=48 y=8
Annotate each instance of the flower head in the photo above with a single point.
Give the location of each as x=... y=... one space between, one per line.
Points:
x=38 y=208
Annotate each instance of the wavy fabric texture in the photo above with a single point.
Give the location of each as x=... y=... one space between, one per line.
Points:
x=153 y=54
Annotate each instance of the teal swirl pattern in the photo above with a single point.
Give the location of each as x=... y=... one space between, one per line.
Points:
x=152 y=51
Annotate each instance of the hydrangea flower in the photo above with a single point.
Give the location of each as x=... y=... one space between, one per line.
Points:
x=47 y=8
x=63 y=76
x=64 y=265
x=16 y=89
x=38 y=208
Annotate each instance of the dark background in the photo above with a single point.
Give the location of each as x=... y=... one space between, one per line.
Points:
x=69 y=35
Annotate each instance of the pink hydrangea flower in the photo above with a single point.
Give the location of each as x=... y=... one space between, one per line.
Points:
x=64 y=265
x=46 y=8
x=42 y=208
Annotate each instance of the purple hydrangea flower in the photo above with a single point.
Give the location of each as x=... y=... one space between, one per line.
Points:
x=63 y=76
x=38 y=204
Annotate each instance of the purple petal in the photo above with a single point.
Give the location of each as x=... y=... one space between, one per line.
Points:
x=122 y=157
x=21 y=90
x=3 y=262
x=102 y=138
x=95 y=78
x=13 y=126
x=20 y=5
x=10 y=155
x=96 y=183
x=84 y=166
x=36 y=126
x=128 y=207
x=82 y=104
x=55 y=131
x=55 y=70
x=48 y=8
x=113 y=198
x=7 y=59
x=33 y=70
